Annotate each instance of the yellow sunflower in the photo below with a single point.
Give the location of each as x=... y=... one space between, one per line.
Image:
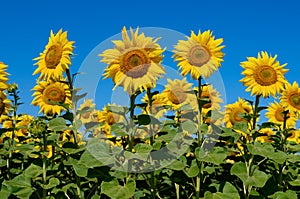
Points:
x=263 y=75
x=67 y=136
x=275 y=115
x=178 y=93
x=295 y=136
x=85 y=111
x=56 y=57
x=108 y=118
x=134 y=63
x=235 y=111
x=157 y=108
x=50 y=96
x=290 y=98
x=5 y=104
x=211 y=94
x=3 y=76
x=268 y=132
x=49 y=150
x=199 y=55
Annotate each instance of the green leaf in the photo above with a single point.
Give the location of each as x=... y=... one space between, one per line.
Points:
x=285 y=195
x=143 y=148
x=58 y=124
x=228 y=132
x=189 y=126
x=143 y=119
x=177 y=165
x=242 y=126
x=88 y=160
x=257 y=179
x=193 y=170
x=4 y=194
x=33 y=171
x=116 y=128
x=53 y=182
x=80 y=170
x=116 y=191
x=296 y=182
x=215 y=156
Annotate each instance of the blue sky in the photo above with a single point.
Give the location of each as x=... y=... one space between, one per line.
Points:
x=246 y=26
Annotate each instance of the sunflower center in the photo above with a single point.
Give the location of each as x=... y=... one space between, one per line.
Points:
x=234 y=116
x=198 y=56
x=135 y=63
x=279 y=115
x=54 y=93
x=206 y=95
x=177 y=96
x=111 y=118
x=265 y=75
x=295 y=100
x=53 y=56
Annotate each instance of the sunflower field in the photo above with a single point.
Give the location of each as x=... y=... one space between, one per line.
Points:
x=178 y=141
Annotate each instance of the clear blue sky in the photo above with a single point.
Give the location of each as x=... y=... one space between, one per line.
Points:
x=246 y=26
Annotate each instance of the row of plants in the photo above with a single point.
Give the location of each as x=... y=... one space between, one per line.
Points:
x=175 y=142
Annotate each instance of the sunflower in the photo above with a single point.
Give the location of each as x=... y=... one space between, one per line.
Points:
x=67 y=136
x=275 y=115
x=49 y=150
x=3 y=76
x=56 y=57
x=265 y=136
x=295 y=136
x=108 y=118
x=263 y=75
x=157 y=106
x=235 y=111
x=50 y=96
x=85 y=111
x=290 y=98
x=4 y=106
x=134 y=63
x=212 y=95
x=199 y=55
x=178 y=93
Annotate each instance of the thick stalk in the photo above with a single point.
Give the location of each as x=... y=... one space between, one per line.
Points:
x=255 y=114
x=44 y=164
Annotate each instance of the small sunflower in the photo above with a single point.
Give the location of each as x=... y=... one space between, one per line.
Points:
x=4 y=106
x=56 y=57
x=295 y=136
x=178 y=93
x=85 y=111
x=234 y=112
x=3 y=76
x=199 y=55
x=210 y=93
x=134 y=63
x=263 y=75
x=290 y=98
x=108 y=118
x=266 y=135
x=67 y=136
x=50 y=96
x=275 y=115
x=157 y=106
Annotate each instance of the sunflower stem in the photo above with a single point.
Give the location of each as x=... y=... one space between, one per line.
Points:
x=44 y=164
x=200 y=137
x=70 y=82
x=255 y=114
x=152 y=180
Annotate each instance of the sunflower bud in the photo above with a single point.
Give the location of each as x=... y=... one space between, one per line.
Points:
x=12 y=87
x=37 y=127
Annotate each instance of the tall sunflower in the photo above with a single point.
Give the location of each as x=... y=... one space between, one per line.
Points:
x=85 y=111
x=3 y=76
x=55 y=59
x=263 y=75
x=199 y=55
x=294 y=136
x=275 y=115
x=157 y=106
x=234 y=112
x=178 y=93
x=133 y=63
x=50 y=96
x=290 y=98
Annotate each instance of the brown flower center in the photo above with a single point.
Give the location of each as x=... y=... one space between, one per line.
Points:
x=294 y=100
x=265 y=75
x=54 y=93
x=177 y=96
x=2 y=107
x=53 y=56
x=206 y=95
x=235 y=115
x=135 y=63
x=279 y=115
x=111 y=118
x=198 y=56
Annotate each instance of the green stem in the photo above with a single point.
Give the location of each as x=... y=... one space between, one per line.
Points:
x=132 y=106
x=255 y=114
x=44 y=164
